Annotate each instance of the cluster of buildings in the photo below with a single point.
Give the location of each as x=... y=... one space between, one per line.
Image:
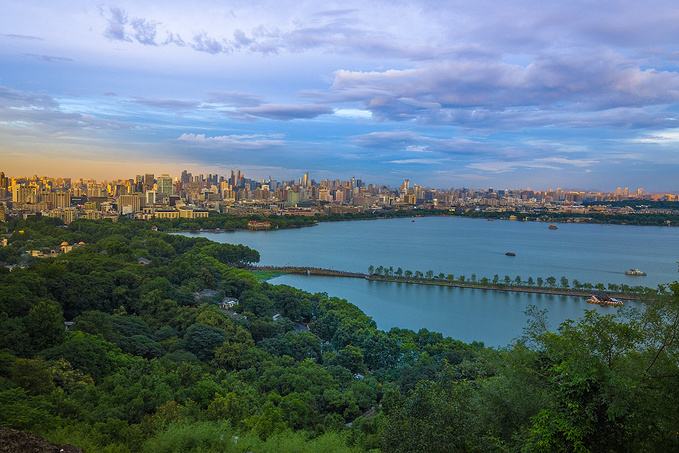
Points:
x=189 y=196
x=51 y=252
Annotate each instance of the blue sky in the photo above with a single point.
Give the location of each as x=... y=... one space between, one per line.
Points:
x=529 y=93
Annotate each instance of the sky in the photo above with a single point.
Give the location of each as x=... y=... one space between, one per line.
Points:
x=521 y=93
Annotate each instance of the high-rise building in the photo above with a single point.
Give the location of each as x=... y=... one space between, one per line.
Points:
x=150 y=197
x=139 y=183
x=58 y=200
x=149 y=179
x=95 y=191
x=292 y=198
x=324 y=194
x=4 y=181
x=165 y=185
x=23 y=194
x=67 y=215
x=405 y=185
x=129 y=204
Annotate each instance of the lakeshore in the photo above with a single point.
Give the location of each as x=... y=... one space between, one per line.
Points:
x=220 y=223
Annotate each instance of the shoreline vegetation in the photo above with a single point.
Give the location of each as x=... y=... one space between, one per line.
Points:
x=548 y=286
x=663 y=220
x=230 y=222
x=221 y=223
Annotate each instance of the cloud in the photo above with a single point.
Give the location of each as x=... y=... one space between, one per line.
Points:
x=485 y=154
x=236 y=141
x=169 y=104
x=354 y=113
x=144 y=31
x=204 y=43
x=448 y=30
x=241 y=40
x=37 y=114
x=388 y=139
x=666 y=137
x=415 y=161
x=336 y=12
x=285 y=112
x=234 y=98
x=413 y=142
x=116 y=23
x=21 y=100
x=120 y=27
x=48 y=58
x=173 y=38
x=472 y=91
x=550 y=163
x=331 y=31
x=22 y=37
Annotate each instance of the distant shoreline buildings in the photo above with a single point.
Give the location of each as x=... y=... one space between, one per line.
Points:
x=150 y=196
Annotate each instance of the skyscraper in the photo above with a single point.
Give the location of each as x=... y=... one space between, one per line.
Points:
x=128 y=204
x=149 y=179
x=165 y=186
x=58 y=200
x=22 y=194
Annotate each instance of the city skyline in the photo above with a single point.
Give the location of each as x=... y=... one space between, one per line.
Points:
x=446 y=94
x=177 y=177
x=151 y=197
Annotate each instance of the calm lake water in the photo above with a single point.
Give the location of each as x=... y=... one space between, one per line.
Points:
x=589 y=253
x=493 y=317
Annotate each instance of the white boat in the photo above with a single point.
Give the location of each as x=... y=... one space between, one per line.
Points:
x=635 y=273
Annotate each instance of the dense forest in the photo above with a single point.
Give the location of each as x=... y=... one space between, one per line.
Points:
x=132 y=341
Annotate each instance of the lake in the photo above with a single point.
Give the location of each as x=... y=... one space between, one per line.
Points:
x=587 y=252
x=493 y=317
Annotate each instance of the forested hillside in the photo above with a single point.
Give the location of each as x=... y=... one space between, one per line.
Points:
x=152 y=362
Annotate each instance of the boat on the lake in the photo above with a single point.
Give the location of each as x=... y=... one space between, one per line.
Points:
x=510 y=254
x=635 y=273
x=605 y=300
x=553 y=227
